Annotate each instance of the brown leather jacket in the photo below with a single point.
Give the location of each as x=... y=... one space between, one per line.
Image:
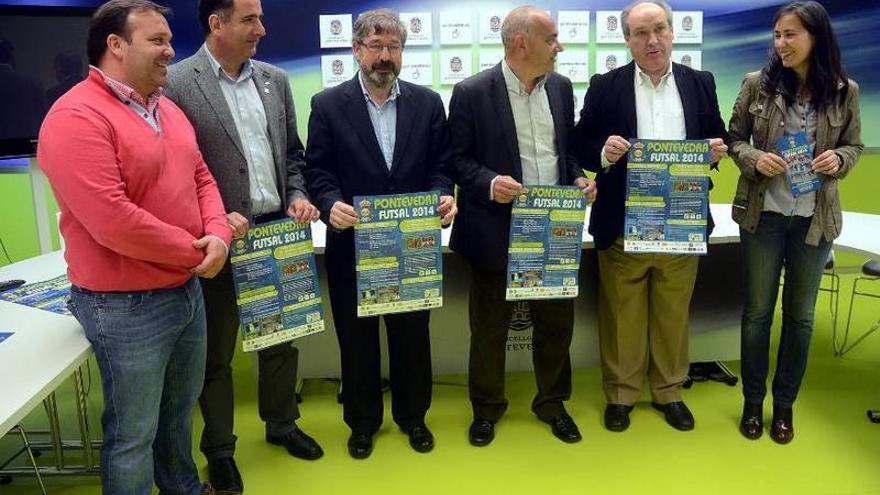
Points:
x=756 y=126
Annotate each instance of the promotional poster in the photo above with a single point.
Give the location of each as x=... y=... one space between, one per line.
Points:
x=667 y=197
x=276 y=286
x=398 y=247
x=546 y=228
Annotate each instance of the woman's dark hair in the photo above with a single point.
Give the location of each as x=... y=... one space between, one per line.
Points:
x=826 y=70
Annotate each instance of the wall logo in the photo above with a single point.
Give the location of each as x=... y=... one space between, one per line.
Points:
x=337 y=67
x=335 y=27
x=455 y=64
x=687 y=23
x=610 y=62
x=495 y=24
x=521 y=318
x=611 y=23
x=415 y=25
x=686 y=60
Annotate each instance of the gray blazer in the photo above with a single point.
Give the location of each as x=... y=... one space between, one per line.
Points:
x=196 y=90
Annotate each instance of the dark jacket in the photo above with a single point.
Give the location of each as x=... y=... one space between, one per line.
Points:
x=343 y=157
x=484 y=145
x=609 y=109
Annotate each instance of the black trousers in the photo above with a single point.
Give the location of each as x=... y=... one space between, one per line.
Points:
x=551 y=337
x=409 y=354
x=276 y=371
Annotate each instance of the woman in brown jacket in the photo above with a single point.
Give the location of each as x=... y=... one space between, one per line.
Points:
x=789 y=217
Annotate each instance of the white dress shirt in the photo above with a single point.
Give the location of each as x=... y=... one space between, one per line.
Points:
x=659 y=114
x=535 y=130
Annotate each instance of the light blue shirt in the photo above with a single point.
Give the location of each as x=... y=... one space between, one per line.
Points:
x=384 y=119
x=246 y=107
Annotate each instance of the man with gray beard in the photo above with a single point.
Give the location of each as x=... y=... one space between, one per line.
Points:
x=376 y=135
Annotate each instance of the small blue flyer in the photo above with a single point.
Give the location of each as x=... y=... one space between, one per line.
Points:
x=795 y=150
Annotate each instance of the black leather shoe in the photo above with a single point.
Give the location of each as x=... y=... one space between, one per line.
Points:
x=420 y=438
x=224 y=476
x=563 y=428
x=782 y=428
x=752 y=423
x=617 y=417
x=360 y=445
x=677 y=415
x=481 y=433
x=298 y=444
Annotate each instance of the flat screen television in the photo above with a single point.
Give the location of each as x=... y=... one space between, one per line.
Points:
x=42 y=55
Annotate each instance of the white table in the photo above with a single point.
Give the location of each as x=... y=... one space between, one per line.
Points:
x=45 y=347
x=44 y=350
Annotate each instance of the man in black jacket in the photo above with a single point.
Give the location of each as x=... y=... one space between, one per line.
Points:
x=643 y=298
x=371 y=135
x=510 y=128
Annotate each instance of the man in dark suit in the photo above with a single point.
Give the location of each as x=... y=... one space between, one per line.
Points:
x=509 y=128
x=376 y=135
x=643 y=298
x=243 y=114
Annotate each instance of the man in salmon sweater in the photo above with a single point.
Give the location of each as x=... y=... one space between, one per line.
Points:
x=142 y=219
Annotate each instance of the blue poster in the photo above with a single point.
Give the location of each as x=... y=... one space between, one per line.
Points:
x=4 y=336
x=667 y=197
x=798 y=153
x=49 y=295
x=546 y=229
x=276 y=286
x=399 y=262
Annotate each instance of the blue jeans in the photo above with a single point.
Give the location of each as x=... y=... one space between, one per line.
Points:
x=777 y=242
x=150 y=348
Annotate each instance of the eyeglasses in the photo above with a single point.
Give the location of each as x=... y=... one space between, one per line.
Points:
x=377 y=48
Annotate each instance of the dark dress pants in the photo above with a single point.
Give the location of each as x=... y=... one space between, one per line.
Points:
x=490 y=314
x=409 y=353
x=276 y=371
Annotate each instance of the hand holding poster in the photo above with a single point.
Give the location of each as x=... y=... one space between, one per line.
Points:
x=279 y=298
x=399 y=262
x=667 y=197
x=798 y=153
x=546 y=228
